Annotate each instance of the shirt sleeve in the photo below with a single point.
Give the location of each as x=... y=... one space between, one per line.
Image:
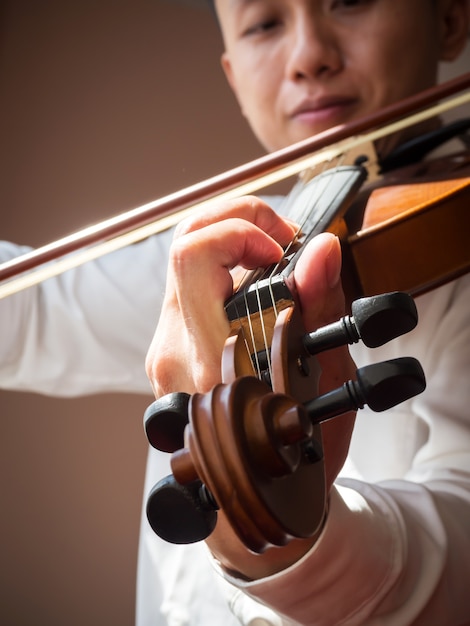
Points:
x=87 y=330
x=397 y=550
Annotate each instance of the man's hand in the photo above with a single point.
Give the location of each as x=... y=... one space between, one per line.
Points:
x=186 y=351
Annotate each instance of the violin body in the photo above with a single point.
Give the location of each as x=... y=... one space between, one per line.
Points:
x=414 y=227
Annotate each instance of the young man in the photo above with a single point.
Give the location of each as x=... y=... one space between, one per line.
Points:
x=395 y=544
x=393 y=548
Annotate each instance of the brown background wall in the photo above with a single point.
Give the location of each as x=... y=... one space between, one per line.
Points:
x=105 y=105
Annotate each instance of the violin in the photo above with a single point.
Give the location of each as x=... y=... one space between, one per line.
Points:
x=252 y=446
x=249 y=447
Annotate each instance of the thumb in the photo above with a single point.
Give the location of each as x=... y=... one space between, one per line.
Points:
x=317 y=281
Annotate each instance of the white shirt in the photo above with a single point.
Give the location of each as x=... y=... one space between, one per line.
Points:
x=396 y=545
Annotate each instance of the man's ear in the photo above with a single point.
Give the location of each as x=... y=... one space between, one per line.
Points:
x=229 y=75
x=455 y=26
x=227 y=67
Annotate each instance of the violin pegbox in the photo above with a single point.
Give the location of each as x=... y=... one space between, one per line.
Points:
x=256 y=453
x=244 y=453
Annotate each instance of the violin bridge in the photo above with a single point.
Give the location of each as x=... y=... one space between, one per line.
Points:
x=365 y=153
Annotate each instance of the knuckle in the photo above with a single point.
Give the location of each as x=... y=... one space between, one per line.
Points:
x=161 y=373
x=183 y=227
x=180 y=252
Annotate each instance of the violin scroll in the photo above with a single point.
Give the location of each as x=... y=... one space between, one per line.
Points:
x=256 y=453
x=244 y=454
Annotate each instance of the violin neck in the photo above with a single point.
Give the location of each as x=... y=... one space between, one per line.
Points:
x=316 y=206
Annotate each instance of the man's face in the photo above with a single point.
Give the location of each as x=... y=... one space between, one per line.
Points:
x=299 y=67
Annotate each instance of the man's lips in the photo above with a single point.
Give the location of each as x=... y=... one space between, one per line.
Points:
x=322 y=109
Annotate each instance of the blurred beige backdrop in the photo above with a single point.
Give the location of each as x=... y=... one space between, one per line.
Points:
x=105 y=105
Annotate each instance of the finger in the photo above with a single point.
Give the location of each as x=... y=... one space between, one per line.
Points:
x=319 y=289
x=193 y=327
x=249 y=208
x=316 y=280
x=204 y=257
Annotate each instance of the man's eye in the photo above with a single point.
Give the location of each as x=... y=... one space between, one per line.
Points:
x=349 y=3
x=262 y=27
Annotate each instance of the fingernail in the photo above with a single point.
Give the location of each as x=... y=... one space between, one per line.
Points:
x=333 y=264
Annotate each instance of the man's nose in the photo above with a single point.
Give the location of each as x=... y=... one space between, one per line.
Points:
x=314 y=49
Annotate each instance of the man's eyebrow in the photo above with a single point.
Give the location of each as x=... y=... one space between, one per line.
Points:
x=241 y=3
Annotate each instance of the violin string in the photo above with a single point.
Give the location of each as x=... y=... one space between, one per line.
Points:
x=241 y=329
x=306 y=213
x=263 y=328
x=256 y=366
x=253 y=350
x=290 y=200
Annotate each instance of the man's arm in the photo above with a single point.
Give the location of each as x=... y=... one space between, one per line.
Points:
x=87 y=330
